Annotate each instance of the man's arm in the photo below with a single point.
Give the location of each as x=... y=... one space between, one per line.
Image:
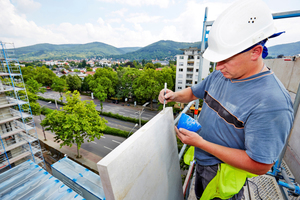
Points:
x=183 y=96
x=234 y=157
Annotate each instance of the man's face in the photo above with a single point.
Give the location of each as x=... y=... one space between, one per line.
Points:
x=235 y=67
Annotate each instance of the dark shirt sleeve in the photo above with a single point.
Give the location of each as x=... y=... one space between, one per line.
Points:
x=266 y=134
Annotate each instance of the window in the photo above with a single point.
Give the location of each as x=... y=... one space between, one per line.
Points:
x=181 y=57
x=180 y=75
x=179 y=81
x=197 y=70
x=181 y=64
x=180 y=69
x=196 y=82
x=179 y=88
x=198 y=57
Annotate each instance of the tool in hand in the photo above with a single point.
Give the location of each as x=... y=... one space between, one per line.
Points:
x=165 y=94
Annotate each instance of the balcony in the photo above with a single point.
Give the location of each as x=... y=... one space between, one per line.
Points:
x=189 y=76
x=190 y=70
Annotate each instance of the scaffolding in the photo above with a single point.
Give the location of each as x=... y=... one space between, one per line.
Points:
x=18 y=137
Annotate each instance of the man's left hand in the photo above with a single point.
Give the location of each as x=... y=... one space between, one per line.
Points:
x=188 y=137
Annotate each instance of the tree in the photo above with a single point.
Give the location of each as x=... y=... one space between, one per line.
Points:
x=74 y=82
x=72 y=63
x=103 y=84
x=166 y=75
x=82 y=64
x=130 y=64
x=173 y=68
x=158 y=65
x=127 y=81
x=85 y=83
x=149 y=66
x=67 y=67
x=33 y=87
x=146 y=85
x=42 y=74
x=149 y=83
x=77 y=122
x=60 y=85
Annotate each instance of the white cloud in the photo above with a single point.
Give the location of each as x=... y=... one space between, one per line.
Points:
x=120 y=12
x=170 y=33
x=190 y=22
x=114 y=20
x=291 y=28
x=142 y=18
x=160 y=3
x=123 y=30
x=26 y=6
x=17 y=28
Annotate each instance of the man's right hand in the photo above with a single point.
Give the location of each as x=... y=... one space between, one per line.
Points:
x=169 y=97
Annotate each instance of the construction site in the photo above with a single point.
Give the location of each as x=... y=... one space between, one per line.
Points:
x=130 y=171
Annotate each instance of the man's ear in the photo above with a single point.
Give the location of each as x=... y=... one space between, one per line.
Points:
x=256 y=52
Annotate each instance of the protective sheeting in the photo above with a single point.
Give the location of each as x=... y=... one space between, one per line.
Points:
x=80 y=179
x=30 y=181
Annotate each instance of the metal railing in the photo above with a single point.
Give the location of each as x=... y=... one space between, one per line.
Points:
x=187 y=182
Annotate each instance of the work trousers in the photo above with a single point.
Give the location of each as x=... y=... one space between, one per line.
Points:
x=204 y=174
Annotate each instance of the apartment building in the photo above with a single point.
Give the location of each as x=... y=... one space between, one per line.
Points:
x=188 y=68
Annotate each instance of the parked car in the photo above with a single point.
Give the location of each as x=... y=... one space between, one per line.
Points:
x=115 y=101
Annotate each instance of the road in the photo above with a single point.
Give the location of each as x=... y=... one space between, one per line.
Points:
x=103 y=146
x=107 y=142
x=128 y=111
x=112 y=122
x=99 y=147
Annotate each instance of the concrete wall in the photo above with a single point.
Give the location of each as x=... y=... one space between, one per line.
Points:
x=146 y=165
x=289 y=74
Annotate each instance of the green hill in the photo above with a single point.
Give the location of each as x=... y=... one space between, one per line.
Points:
x=129 y=49
x=164 y=49
x=289 y=49
x=70 y=51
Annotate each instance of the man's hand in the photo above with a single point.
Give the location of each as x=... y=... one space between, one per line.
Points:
x=189 y=137
x=234 y=157
x=170 y=96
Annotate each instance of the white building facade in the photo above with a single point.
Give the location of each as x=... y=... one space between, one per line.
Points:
x=188 y=68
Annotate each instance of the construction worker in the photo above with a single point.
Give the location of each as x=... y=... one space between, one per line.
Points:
x=247 y=113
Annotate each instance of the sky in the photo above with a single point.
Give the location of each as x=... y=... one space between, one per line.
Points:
x=122 y=23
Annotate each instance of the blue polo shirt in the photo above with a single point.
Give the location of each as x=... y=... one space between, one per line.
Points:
x=253 y=114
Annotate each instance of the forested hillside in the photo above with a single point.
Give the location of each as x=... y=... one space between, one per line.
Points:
x=162 y=50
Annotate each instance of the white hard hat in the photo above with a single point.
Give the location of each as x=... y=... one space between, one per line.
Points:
x=243 y=24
